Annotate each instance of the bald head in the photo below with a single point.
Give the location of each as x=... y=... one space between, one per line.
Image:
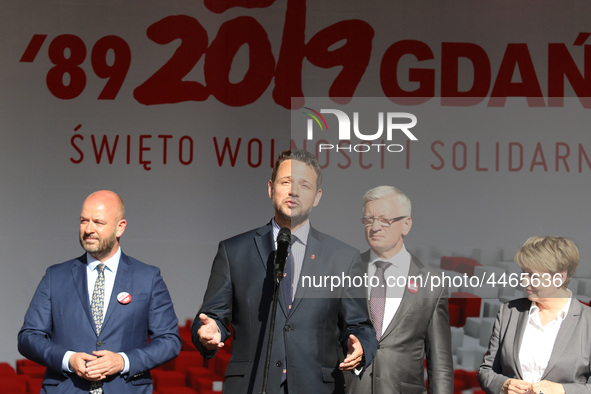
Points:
x=110 y=200
x=102 y=222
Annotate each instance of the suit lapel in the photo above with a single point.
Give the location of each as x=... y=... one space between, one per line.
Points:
x=121 y=284
x=407 y=301
x=564 y=334
x=309 y=265
x=81 y=284
x=522 y=318
x=365 y=259
x=265 y=244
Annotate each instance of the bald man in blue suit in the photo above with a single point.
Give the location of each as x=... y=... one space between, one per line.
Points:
x=106 y=347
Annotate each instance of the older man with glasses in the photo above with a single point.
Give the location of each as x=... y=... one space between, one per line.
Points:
x=411 y=319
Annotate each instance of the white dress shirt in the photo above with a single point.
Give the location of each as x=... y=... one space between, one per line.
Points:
x=298 y=249
x=111 y=266
x=399 y=269
x=538 y=341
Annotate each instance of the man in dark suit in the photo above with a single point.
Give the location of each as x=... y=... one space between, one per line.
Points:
x=305 y=350
x=100 y=322
x=411 y=320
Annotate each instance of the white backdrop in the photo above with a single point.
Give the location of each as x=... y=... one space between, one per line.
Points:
x=184 y=204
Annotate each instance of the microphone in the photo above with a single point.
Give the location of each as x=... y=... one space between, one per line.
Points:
x=283 y=242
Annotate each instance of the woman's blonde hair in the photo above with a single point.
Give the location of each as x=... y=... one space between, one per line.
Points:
x=549 y=254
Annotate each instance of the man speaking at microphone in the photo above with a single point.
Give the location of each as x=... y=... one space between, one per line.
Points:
x=307 y=342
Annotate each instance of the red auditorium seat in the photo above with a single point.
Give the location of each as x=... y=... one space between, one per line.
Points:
x=200 y=378
x=465 y=380
x=33 y=371
x=13 y=384
x=464 y=265
x=204 y=385
x=25 y=361
x=455 y=315
x=459 y=386
x=34 y=385
x=185 y=333
x=25 y=366
x=163 y=378
x=469 y=306
x=6 y=370
x=220 y=361
x=177 y=390
x=186 y=360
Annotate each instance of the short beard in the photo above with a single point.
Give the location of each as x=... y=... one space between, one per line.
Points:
x=102 y=250
x=294 y=220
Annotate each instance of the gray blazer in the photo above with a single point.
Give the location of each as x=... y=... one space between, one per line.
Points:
x=569 y=362
x=419 y=330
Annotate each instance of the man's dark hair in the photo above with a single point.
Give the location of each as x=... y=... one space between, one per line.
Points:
x=299 y=155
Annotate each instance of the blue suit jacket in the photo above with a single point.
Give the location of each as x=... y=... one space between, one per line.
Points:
x=307 y=338
x=59 y=319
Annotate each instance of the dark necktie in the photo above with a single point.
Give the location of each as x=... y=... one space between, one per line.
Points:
x=96 y=307
x=287 y=289
x=377 y=298
x=287 y=281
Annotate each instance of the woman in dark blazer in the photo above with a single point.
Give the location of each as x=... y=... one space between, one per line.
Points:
x=541 y=344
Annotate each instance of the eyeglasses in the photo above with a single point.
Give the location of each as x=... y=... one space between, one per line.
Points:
x=385 y=223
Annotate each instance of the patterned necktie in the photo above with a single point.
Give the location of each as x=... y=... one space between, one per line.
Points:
x=96 y=307
x=377 y=298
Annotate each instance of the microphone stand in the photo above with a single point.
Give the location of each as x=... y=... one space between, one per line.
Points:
x=278 y=276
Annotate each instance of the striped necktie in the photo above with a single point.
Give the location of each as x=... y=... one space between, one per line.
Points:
x=377 y=298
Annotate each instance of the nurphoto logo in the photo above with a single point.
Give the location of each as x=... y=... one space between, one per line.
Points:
x=389 y=123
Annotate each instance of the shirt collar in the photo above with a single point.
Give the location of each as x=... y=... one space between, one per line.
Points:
x=400 y=259
x=301 y=233
x=111 y=264
x=534 y=309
